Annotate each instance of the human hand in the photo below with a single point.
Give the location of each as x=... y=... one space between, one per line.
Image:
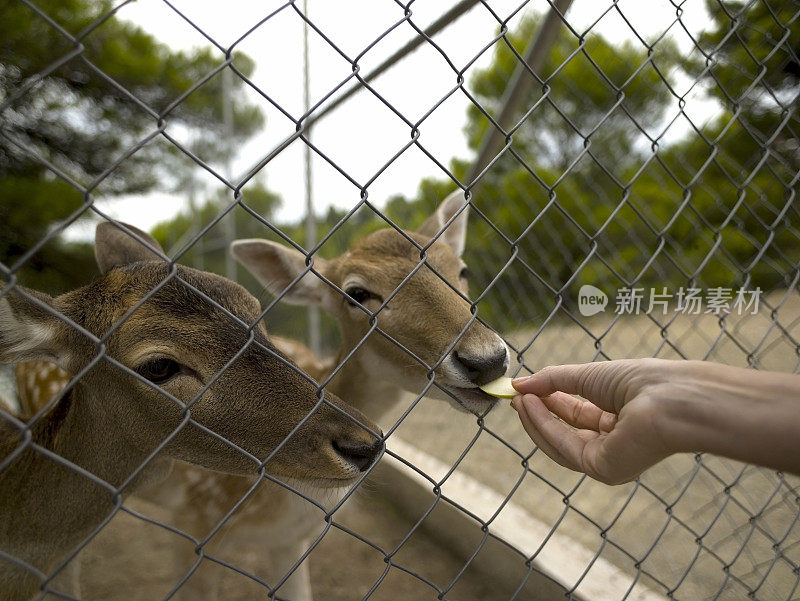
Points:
x=614 y=435
x=639 y=411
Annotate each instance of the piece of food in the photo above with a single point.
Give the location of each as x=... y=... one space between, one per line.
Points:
x=501 y=388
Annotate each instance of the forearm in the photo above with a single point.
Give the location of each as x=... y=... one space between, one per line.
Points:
x=739 y=413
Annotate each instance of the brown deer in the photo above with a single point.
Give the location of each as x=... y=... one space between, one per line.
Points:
x=167 y=359
x=428 y=314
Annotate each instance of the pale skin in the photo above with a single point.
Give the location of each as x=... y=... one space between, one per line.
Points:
x=640 y=411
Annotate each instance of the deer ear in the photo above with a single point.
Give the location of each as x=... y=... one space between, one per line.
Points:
x=117 y=245
x=277 y=266
x=30 y=328
x=456 y=233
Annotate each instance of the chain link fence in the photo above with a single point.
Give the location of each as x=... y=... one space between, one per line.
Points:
x=631 y=193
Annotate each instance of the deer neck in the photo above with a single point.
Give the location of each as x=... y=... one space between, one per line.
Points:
x=361 y=383
x=48 y=508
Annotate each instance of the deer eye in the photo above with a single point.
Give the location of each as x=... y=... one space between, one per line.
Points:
x=464 y=274
x=160 y=370
x=359 y=295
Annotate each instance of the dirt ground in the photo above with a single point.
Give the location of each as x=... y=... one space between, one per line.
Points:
x=132 y=560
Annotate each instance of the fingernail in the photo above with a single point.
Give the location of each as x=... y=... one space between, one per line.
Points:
x=520 y=380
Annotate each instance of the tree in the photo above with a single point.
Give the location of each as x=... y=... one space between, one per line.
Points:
x=595 y=94
x=595 y=196
x=183 y=231
x=739 y=172
x=82 y=113
x=555 y=206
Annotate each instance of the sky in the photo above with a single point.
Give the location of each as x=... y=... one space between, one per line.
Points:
x=362 y=135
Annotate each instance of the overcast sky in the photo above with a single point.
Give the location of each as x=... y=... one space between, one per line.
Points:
x=363 y=134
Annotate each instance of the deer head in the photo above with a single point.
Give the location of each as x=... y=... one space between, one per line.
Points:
x=170 y=337
x=423 y=308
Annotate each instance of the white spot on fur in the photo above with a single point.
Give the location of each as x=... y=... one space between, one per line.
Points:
x=22 y=338
x=8 y=389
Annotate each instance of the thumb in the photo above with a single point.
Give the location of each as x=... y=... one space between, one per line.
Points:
x=600 y=382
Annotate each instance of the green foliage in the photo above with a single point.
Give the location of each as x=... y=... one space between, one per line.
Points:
x=64 y=112
x=708 y=210
x=753 y=42
x=178 y=233
x=588 y=202
x=589 y=95
x=594 y=196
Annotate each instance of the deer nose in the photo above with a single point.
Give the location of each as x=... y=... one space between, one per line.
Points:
x=484 y=368
x=359 y=454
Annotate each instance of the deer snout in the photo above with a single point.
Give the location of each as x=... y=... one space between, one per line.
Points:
x=482 y=368
x=359 y=454
x=352 y=436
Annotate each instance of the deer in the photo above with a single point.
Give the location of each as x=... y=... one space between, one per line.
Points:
x=428 y=314
x=171 y=364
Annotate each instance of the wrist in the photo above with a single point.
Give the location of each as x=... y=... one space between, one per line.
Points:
x=735 y=412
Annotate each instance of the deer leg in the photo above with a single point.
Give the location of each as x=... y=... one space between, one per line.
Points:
x=283 y=558
x=73 y=576
x=68 y=580
x=202 y=584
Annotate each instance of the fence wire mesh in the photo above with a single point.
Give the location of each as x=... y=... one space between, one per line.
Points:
x=655 y=172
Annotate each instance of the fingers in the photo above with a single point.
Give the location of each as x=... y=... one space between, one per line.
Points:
x=559 y=441
x=582 y=450
x=580 y=414
x=530 y=416
x=590 y=438
x=566 y=378
x=603 y=382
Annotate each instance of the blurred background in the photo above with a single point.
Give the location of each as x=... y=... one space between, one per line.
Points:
x=651 y=146
x=618 y=144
